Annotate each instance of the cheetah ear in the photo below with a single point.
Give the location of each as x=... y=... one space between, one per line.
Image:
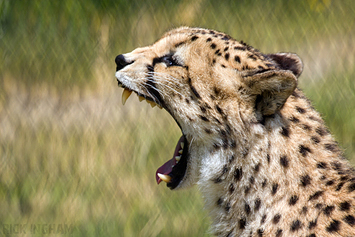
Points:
x=287 y=61
x=272 y=88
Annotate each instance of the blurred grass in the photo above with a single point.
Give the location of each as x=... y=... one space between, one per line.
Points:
x=71 y=154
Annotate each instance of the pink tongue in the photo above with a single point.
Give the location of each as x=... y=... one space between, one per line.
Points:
x=168 y=166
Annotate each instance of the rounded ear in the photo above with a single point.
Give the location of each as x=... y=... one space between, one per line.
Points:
x=287 y=61
x=272 y=88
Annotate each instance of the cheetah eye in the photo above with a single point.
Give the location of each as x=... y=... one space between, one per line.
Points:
x=169 y=60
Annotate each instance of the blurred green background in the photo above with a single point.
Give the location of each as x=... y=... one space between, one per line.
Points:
x=71 y=154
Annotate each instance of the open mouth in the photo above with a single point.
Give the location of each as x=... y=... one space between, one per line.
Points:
x=173 y=171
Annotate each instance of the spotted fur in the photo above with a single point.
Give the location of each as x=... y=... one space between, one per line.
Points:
x=261 y=155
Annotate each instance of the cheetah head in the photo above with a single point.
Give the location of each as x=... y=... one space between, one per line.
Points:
x=216 y=88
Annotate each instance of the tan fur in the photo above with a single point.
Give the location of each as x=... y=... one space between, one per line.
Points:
x=260 y=154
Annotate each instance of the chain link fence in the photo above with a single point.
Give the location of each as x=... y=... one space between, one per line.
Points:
x=75 y=162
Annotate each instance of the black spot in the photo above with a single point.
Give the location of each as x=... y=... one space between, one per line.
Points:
x=263 y=218
x=238 y=173
x=226 y=56
x=296 y=225
x=300 y=110
x=331 y=147
x=351 y=187
x=294 y=119
x=275 y=186
x=216 y=91
x=344 y=206
x=260 y=232
x=293 y=200
x=242 y=223
x=319 y=206
x=227 y=207
x=257 y=204
x=231 y=188
x=304 y=150
x=312 y=224
x=251 y=180
x=237 y=59
x=246 y=190
x=240 y=48
x=194 y=38
x=306 y=127
x=203 y=109
x=328 y=210
x=219 y=110
x=217 y=51
x=305 y=180
x=304 y=210
x=219 y=201
x=278 y=233
x=208 y=40
x=216 y=146
x=263 y=184
x=213 y=46
x=276 y=218
x=339 y=186
x=225 y=49
x=208 y=131
x=315 y=195
x=217 y=180
x=350 y=220
x=257 y=168
x=252 y=57
x=321 y=131
x=285 y=132
x=311 y=235
x=247 y=208
x=268 y=158
x=329 y=183
x=204 y=118
x=284 y=161
x=334 y=226
x=322 y=165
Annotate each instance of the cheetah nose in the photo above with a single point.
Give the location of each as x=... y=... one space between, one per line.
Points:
x=121 y=62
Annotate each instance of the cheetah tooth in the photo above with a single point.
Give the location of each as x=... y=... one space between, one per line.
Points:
x=177 y=158
x=141 y=98
x=182 y=145
x=164 y=177
x=181 y=151
x=125 y=95
x=151 y=103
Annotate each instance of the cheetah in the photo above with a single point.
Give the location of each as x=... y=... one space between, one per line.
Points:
x=261 y=155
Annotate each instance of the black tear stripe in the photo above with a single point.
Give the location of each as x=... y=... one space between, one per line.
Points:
x=193 y=89
x=152 y=89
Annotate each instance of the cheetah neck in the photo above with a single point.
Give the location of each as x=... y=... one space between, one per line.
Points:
x=254 y=184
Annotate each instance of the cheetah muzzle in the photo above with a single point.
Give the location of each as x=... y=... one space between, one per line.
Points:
x=261 y=155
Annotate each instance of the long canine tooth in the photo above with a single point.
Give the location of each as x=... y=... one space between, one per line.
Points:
x=177 y=158
x=181 y=151
x=164 y=177
x=182 y=145
x=125 y=95
x=141 y=98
